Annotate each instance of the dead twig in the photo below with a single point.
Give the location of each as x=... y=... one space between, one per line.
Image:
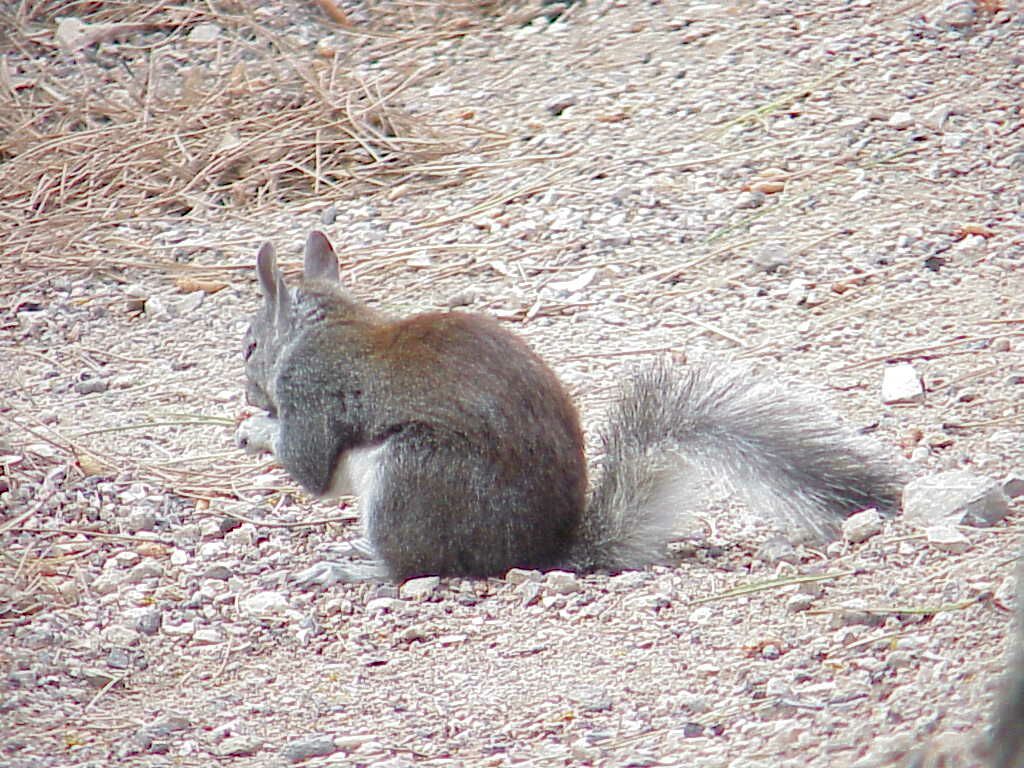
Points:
x=750 y=589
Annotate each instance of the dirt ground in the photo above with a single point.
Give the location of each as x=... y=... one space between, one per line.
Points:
x=820 y=190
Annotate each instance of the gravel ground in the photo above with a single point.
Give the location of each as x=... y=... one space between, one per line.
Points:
x=819 y=189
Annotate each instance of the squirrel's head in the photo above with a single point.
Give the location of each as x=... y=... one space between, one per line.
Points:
x=275 y=323
x=267 y=330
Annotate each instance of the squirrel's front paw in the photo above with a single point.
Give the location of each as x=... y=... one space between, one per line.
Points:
x=320 y=576
x=257 y=434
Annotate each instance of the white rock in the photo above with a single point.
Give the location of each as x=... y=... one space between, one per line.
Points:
x=186 y=536
x=124 y=637
x=185 y=629
x=562 y=582
x=419 y=589
x=190 y=303
x=126 y=559
x=210 y=528
x=947 y=538
x=240 y=746
x=799 y=602
x=901 y=120
x=748 y=200
x=140 y=520
x=211 y=550
x=576 y=284
x=261 y=603
x=70 y=32
x=352 y=741
x=145 y=570
x=956 y=497
x=180 y=557
x=797 y=292
x=702 y=614
x=157 y=308
x=1013 y=486
x=901 y=384
x=954 y=140
x=862 y=526
x=242 y=537
x=205 y=32
x=384 y=605
x=207 y=636
x=123 y=381
x=528 y=592
x=971 y=243
x=654 y=602
x=936 y=118
x=957 y=14
x=42 y=450
x=520 y=575
x=861 y=195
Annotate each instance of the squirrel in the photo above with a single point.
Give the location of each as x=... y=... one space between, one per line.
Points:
x=467 y=453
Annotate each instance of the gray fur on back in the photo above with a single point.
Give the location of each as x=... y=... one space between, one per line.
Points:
x=782 y=451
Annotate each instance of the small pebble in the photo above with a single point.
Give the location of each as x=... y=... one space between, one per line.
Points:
x=1013 y=486
x=149 y=622
x=562 y=582
x=748 y=200
x=140 y=520
x=799 y=602
x=558 y=106
x=318 y=746
x=957 y=14
x=352 y=741
x=947 y=538
x=777 y=549
x=204 y=32
x=91 y=386
x=862 y=526
x=217 y=572
x=419 y=589
x=517 y=576
x=529 y=592
x=240 y=746
x=955 y=497
x=901 y=120
x=936 y=117
x=384 y=605
x=105 y=584
x=207 y=637
x=262 y=603
x=145 y=570
x=190 y=303
x=901 y=383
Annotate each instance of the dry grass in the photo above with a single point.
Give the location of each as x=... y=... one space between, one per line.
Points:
x=128 y=117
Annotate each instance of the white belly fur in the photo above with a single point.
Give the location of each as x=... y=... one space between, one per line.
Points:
x=355 y=474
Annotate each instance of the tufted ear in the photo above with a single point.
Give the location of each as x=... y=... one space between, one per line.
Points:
x=282 y=307
x=321 y=263
x=276 y=298
x=266 y=271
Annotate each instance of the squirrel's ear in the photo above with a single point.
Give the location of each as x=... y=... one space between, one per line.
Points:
x=283 y=306
x=320 y=262
x=266 y=271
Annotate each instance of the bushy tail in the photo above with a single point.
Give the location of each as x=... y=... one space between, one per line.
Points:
x=783 y=452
